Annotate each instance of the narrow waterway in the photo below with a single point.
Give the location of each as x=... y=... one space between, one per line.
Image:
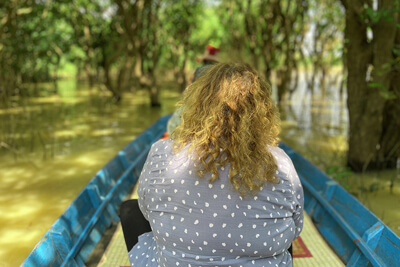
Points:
x=51 y=146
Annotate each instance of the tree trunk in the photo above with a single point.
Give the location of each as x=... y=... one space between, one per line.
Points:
x=183 y=83
x=124 y=75
x=283 y=83
x=109 y=84
x=154 y=95
x=367 y=130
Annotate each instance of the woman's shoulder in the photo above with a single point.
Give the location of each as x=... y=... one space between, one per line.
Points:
x=285 y=165
x=279 y=155
x=162 y=144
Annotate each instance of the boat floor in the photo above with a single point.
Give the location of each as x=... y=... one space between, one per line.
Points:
x=309 y=250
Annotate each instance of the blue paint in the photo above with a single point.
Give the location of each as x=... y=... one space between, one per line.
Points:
x=356 y=234
x=74 y=235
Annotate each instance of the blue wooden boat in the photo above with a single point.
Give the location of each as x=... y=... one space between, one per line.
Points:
x=357 y=236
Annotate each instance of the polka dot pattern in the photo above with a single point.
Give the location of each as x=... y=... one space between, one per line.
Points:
x=197 y=223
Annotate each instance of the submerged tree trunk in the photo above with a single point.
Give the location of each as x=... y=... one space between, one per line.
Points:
x=154 y=95
x=373 y=125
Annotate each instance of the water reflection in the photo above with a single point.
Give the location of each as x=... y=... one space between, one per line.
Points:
x=318 y=128
x=51 y=146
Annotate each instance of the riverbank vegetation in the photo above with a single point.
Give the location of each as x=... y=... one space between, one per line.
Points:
x=126 y=45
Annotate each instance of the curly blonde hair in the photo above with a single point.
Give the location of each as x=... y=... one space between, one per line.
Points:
x=228 y=116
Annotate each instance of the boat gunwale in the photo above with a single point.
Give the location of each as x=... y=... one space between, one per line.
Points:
x=320 y=196
x=59 y=237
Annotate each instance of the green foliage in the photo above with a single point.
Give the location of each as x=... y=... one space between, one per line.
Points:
x=34 y=39
x=209 y=30
x=341 y=174
x=180 y=20
x=383 y=90
x=373 y=16
x=142 y=35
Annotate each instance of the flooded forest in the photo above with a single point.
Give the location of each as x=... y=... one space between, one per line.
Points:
x=80 y=79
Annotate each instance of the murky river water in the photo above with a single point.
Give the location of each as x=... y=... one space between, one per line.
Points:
x=50 y=147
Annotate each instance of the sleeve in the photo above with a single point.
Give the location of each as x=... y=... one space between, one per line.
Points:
x=298 y=204
x=297 y=194
x=143 y=185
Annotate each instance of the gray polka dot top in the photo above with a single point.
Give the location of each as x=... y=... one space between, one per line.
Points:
x=198 y=223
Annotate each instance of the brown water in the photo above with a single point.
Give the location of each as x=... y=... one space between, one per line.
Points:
x=318 y=129
x=51 y=146
x=59 y=143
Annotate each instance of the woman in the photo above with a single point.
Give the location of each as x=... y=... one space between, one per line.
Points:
x=220 y=192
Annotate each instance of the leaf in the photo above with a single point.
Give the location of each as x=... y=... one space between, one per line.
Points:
x=389 y=18
x=396 y=51
x=373 y=15
x=388 y=95
x=24 y=10
x=375 y=85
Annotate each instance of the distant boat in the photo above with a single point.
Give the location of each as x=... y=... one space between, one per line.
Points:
x=357 y=236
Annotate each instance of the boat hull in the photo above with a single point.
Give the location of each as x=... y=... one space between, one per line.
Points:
x=356 y=235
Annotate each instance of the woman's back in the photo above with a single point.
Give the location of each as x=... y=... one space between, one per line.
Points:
x=220 y=193
x=200 y=223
